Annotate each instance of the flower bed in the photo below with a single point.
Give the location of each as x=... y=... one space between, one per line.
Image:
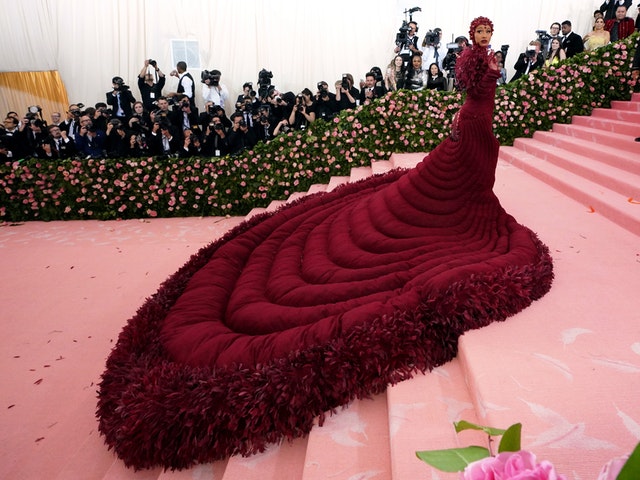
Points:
x=402 y=121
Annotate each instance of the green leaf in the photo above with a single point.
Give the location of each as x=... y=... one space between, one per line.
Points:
x=464 y=425
x=510 y=441
x=631 y=469
x=453 y=459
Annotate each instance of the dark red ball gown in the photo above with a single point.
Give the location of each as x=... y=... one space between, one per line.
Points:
x=293 y=314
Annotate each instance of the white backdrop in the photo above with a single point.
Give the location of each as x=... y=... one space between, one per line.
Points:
x=301 y=42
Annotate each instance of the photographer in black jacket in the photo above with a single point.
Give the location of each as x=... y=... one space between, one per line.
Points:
x=120 y=99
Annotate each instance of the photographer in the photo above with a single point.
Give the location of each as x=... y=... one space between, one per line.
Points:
x=453 y=52
x=432 y=49
x=71 y=124
x=150 y=90
x=529 y=60
x=116 y=142
x=90 y=141
x=407 y=41
x=240 y=136
x=212 y=89
x=280 y=105
x=215 y=142
x=264 y=124
x=101 y=115
x=184 y=116
x=326 y=106
x=162 y=140
x=346 y=93
x=120 y=99
x=304 y=112
x=140 y=121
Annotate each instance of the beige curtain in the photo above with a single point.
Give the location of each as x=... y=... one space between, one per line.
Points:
x=20 y=90
x=90 y=41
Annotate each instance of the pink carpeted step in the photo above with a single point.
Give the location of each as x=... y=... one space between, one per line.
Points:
x=599 y=137
x=352 y=444
x=317 y=187
x=406 y=160
x=567 y=365
x=275 y=204
x=594 y=197
x=208 y=471
x=296 y=195
x=614 y=178
x=336 y=181
x=255 y=211
x=603 y=153
x=360 y=173
x=607 y=124
x=421 y=415
x=633 y=106
x=617 y=114
x=381 y=166
x=277 y=462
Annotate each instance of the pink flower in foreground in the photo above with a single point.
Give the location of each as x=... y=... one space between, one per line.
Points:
x=511 y=466
x=611 y=470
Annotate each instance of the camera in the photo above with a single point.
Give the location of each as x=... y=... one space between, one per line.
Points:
x=116 y=123
x=242 y=123
x=530 y=52
x=153 y=63
x=504 y=49
x=345 y=82
x=431 y=38
x=543 y=38
x=118 y=83
x=35 y=109
x=213 y=76
x=403 y=34
x=264 y=83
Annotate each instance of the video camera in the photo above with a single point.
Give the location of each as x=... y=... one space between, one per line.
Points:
x=403 y=32
x=264 y=83
x=431 y=38
x=543 y=38
x=212 y=76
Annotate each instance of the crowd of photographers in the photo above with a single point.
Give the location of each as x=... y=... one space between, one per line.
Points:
x=171 y=125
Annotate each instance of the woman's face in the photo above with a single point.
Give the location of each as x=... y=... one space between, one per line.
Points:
x=433 y=69
x=599 y=24
x=398 y=61
x=555 y=44
x=482 y=35
x=416 y=62
x=138 y=107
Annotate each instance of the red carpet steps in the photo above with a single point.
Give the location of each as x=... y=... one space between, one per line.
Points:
x=568 y=367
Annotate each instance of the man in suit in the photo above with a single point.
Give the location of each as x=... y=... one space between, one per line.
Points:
x=571 y=41
x=621 y=26
x=61 y=144
x=120 y=99
x=609 y=7
x=529 y=61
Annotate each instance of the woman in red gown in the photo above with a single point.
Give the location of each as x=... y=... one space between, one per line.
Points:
x=293 y=314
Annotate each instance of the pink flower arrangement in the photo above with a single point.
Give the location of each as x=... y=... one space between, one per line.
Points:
x=521 y=465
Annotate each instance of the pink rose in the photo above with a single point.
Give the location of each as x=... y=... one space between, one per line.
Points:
x=611 y=470
x=511 y=466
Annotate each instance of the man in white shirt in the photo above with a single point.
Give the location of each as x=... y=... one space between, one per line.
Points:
x=212 y=90
x=186 y=84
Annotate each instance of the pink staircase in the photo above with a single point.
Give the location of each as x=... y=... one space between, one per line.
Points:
x=568 y=367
